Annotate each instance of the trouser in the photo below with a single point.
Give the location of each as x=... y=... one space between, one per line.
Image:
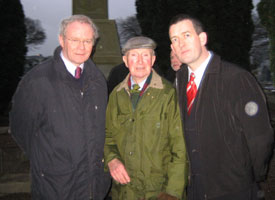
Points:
x=248 y=194
x=195 y=191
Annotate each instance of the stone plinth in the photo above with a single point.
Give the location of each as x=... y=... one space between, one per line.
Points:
x=107 y=51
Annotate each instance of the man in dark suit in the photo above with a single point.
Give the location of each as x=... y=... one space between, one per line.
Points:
x=226 y=124
x=58 y=118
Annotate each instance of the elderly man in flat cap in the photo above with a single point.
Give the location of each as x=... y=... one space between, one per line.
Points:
x=144 y=147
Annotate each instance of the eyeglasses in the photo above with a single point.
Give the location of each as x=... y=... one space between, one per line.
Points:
x=76 y=42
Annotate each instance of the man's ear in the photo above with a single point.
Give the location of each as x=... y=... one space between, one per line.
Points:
x=124 y=58
x=203 y=38
x=61 y=41
x=153 y=59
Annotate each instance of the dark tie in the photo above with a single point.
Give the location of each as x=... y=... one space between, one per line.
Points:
x=191 y=92
x=135 y=95
x=77 y=72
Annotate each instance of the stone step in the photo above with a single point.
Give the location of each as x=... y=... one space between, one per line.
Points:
x=14 y=183
x=4 y=129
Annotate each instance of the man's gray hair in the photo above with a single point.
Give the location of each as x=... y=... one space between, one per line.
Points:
x=78 y=18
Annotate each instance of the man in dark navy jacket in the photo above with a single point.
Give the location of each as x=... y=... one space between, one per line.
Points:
x=226 y=124
x=58 y=118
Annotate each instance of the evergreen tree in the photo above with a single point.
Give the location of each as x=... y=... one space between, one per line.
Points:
x=229 y=25
x=231 y=29
x=154 y=18
x=266 y=10
x=13 y=49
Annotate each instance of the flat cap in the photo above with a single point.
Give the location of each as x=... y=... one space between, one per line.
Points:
x=139 y=42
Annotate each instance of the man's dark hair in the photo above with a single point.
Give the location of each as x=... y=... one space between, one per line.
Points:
x=196 y=23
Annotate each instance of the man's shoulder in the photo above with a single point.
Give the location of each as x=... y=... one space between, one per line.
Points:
x=167 y=84
x=232 y=74
x=39 y=69
x=32 y=83
x=94 y=70
x=232 y=70
x=226 y=68
x=166 y=87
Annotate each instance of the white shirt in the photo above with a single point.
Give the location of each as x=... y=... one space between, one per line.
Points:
x=70 y=66
x=200 y=70
x=141 y=84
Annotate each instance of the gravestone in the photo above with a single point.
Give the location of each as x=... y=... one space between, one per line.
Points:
x=107 y=53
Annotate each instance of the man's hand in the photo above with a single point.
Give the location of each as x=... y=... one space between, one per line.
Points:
x=118 y=171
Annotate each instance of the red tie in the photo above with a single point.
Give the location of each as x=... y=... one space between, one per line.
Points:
x=77 y=72
x=191 y=91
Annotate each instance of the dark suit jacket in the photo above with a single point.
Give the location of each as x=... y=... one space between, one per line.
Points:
x=235 y=135
x=61 y=128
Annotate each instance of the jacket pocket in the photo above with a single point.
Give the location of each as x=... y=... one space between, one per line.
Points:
x=154 y=183
x=58 y=183
x=122 y=119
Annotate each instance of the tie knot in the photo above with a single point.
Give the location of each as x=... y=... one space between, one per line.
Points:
x=192 y=76
x=191 y=92
x=135 y=88
x=78 y=72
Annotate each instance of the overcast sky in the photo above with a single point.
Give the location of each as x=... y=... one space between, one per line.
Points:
x=50 y=13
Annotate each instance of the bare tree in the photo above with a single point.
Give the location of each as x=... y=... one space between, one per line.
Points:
x=259 y=55
x=35 y=33
x=266 y=10
x=127 y=28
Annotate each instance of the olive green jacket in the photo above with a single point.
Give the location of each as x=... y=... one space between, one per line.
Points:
x=149 y=141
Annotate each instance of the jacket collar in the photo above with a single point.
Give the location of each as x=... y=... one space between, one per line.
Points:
x=182 y=77
x=156 y=82
x=214 y=64
x=89 y=72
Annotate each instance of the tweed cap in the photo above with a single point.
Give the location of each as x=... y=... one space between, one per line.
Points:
x=139 y=42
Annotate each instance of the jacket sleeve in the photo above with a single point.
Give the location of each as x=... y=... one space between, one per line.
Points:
x=178 y=167
x=110 y=147
x=252 y=115
x=24 y=114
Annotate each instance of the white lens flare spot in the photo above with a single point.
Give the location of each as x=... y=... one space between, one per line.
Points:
x=251 y=108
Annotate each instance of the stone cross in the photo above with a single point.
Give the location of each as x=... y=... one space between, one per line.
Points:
x=96 y=9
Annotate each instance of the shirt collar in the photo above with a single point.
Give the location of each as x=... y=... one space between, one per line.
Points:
x=140 y=84
x=69 y=65
x=200 y=70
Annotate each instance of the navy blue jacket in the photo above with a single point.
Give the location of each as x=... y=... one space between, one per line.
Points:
x=59 y=122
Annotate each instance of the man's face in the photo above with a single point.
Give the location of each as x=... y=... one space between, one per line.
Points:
x=77 y=45
x=139 y=62
x=175 y=63
x=187 y=44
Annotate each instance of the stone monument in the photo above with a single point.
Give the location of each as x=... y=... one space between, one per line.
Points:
x=107 y=53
